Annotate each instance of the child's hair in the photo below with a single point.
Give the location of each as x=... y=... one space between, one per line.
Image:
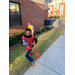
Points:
x=29 y=21
x=28 y=30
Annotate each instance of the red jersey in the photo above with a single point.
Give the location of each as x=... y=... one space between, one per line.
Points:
x=30 y=40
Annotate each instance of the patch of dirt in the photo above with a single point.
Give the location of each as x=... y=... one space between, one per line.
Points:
x=12 y=48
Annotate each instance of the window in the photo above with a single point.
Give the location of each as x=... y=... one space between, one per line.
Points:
x=61 y=10
x=14 y=14
x=50 y=10
x=55 y=13
x=55 y=5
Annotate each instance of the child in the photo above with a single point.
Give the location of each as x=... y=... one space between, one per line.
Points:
x=31 y=40
x=31 y=27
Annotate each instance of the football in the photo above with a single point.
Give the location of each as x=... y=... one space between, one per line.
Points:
x=26 y=42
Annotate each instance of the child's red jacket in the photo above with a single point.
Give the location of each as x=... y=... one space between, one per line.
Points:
x=30 y=39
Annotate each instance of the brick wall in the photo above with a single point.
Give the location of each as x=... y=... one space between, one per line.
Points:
x=30 y=11
x=57 y=13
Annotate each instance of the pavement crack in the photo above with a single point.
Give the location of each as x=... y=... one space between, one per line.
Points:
x=49 y=68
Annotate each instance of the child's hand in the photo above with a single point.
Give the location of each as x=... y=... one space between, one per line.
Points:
x=24 y=43
x=33 y=43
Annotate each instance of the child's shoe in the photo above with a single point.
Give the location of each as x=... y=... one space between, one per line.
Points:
x=32 y=64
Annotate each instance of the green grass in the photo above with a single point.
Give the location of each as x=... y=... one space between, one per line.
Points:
x=19 y=64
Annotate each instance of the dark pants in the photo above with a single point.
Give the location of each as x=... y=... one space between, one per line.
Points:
x=28 y=57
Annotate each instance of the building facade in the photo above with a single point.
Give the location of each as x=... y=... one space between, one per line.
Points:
x=22 y=11
x=56 y=8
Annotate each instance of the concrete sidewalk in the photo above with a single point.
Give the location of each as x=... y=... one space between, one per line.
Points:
x=52 y=61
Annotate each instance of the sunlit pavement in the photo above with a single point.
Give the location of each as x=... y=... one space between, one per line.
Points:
x=52 y=61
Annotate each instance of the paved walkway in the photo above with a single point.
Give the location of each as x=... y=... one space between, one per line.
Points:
x=52 y=61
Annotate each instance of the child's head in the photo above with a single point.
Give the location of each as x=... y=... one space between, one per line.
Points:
x=28 y=32
x=29 y=22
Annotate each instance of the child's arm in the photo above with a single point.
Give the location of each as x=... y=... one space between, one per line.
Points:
x=33 y=32
x=34 y=39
